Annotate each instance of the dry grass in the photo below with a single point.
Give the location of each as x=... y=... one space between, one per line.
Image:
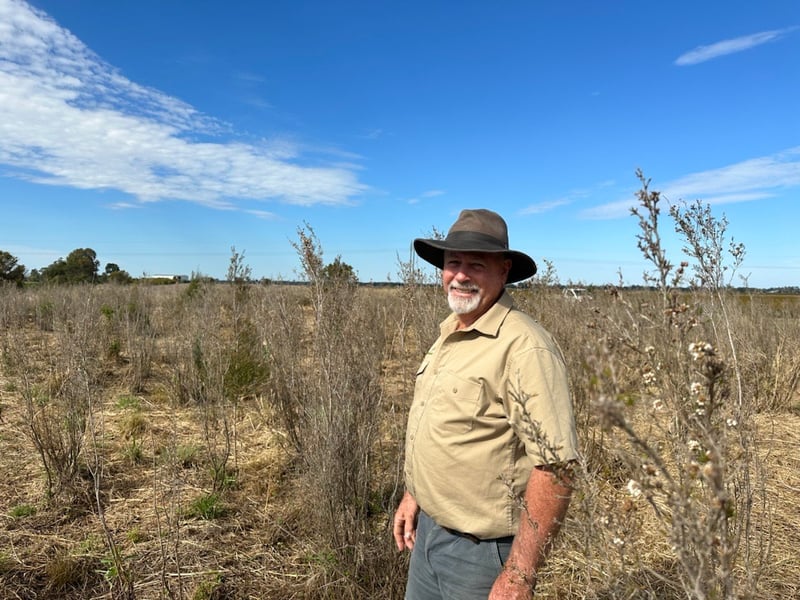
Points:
x=177 y=538
x=180 y=533
x=779 y=436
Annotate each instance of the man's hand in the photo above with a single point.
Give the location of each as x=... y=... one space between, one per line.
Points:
x=512 y=586
x=405 y=522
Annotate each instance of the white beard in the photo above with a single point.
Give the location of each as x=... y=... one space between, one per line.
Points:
x=462 y=305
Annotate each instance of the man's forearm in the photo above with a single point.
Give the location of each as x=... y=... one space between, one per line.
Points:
x=546 y=501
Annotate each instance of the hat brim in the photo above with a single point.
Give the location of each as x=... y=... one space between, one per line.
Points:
x=432 y=251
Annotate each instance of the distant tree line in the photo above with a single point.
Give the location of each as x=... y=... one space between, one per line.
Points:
x=80 y=266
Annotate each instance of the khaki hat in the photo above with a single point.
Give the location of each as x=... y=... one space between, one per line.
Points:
x=477 y=230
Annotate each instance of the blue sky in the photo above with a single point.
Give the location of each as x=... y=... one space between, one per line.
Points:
x=161 y=134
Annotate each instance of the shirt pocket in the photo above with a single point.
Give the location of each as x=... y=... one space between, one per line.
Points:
x=456 y=403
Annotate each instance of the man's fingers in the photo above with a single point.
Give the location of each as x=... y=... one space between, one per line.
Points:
x=409 y=537
x=399 y=536
x=404 y=537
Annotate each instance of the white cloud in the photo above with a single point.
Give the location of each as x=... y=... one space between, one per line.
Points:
x=756 y=175
x=542 y=207
x=746 y=181
x=426 y=194
x=575 y=195
x=68 y=118
x=123 y=206
x=705 y=53
x=263 y=214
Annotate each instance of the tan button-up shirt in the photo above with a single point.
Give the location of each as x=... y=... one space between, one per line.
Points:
x=469 y=442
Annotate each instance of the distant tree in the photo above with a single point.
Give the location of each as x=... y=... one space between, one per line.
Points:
x=113 y=274
x=121 y=276
x=339 y=272
x=55 y=272
x=80 y=266
x=10 y=269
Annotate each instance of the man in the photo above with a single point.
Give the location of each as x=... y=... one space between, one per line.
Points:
x=490 y=432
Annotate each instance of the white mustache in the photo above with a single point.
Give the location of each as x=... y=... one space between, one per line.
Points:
x=464 y=288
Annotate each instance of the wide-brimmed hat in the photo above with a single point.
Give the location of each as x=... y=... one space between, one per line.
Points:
x=477 y=230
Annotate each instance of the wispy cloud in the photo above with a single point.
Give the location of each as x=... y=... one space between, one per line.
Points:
x=123 y=206
x=263 y=214
x=249 y=77
x=376 y=133
x=426 y=194
x=705 y=53
x=747 y=181
x=68 y=118
x=542 y=207
x=570 y=197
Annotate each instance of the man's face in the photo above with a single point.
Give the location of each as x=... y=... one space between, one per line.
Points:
x=473 y=282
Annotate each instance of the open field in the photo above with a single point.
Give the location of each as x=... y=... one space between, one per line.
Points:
x=241 y=441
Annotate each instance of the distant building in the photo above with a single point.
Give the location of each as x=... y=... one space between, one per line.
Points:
x=170 y=278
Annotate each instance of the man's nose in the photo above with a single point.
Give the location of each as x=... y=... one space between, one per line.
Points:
x=461 y=275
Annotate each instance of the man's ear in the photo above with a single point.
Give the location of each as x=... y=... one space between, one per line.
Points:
x=506 y=268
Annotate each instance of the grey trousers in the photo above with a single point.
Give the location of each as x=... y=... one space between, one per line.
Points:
x=447 y=566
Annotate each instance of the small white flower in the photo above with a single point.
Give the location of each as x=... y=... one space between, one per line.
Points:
x=700 y=349
x=618 y=541
x=693 y=445
x=658 y=404
x=649 y=469
x=650 y=349
x=732 y=422
x=634 y=489
x=649 y=377
x=696 y=388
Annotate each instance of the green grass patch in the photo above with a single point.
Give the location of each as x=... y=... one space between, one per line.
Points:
x=21 y=511
x=207 y=507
